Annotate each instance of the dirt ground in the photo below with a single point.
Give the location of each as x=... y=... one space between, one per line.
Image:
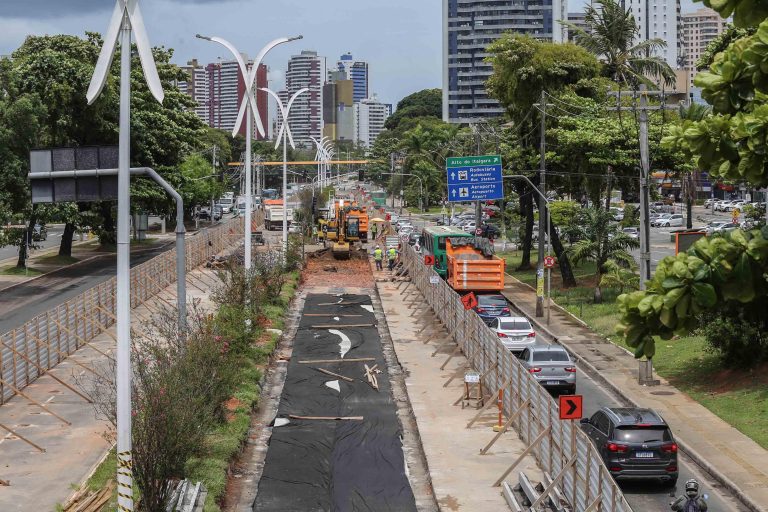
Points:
x=324 y=270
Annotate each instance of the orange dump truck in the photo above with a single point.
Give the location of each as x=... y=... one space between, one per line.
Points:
x=472 y=266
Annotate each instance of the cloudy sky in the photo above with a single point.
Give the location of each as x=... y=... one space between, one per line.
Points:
x=401 y=39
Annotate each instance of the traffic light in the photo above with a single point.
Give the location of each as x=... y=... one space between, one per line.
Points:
x=360 y=175
x=314 y=204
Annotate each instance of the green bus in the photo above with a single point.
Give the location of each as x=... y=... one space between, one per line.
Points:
x=433 y=243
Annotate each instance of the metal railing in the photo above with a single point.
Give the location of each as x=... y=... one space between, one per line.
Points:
x=42 y=342
x=561 y=448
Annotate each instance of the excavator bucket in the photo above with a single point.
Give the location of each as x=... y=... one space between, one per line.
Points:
x=341 y=250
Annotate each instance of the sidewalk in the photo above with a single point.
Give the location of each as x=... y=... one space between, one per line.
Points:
x=735 y=460
x=462 y=479
x=41 y=480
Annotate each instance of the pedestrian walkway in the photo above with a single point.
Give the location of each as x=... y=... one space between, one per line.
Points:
x=39 y=480
x=462 y=478
x=731 y=457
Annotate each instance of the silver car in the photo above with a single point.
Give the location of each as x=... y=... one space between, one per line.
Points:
x=551 y=366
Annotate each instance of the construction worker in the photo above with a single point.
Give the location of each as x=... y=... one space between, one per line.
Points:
x=392 y=256
x=378 y=257
x=374 y=229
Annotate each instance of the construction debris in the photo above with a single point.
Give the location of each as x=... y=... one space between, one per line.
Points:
x=86 y=500
x=328 y=361
x=330 y=418
x=371 y=376
x=339 y=376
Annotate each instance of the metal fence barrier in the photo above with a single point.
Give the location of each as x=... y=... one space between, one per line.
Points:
x=561 y=448
x=41 y=343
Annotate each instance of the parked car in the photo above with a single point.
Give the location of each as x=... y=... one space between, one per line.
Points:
x=551 y=366
x=469 y=227
x=618 y=213
x=492 y=305
x=661 y=218
x=39 y=233
x=217 y=212
x=720 y=227
x=708 y=203
x=632 y=232
x=413 y=238
x=673 y=220
x=515 y=332
x=634 y=443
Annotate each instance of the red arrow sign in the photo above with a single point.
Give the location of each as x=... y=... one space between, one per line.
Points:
x=571 y=407
x=469 y=301
x=429 y=260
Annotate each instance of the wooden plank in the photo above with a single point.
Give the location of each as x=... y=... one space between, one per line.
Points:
x=342 y=377
x=327 y=361
x=512 y=417
x=22 y=438
x=520 y=458
x=35 y=402
x=328 y=418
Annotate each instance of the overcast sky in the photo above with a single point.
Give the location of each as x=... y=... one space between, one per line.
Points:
x=401 y=39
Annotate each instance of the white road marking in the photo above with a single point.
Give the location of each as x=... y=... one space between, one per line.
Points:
x=345 y=344
x=367 y=307
x=281 y=422
x=334 y=384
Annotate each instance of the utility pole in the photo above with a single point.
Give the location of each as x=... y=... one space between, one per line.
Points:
x=542 y=205
x=392 y=170
x=644 y=170
x=213 y=171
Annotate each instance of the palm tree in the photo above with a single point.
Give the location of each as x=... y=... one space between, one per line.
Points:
x=694 y=112
x=611 y=38
x=602 y=240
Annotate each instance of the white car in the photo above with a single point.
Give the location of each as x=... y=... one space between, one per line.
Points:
x=514 y=332
x=708 y=203
x=469 y=227
x=719 y=226
x=673 y=220
x=734 y=205
x=632 y=232
x=660 y=219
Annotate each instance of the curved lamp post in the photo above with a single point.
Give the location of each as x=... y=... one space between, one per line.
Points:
x=287 y=137
x=249 y=107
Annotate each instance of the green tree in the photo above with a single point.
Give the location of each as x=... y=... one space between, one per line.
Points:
x=602 y=241
x=619 y=276
x=612 y=36
x=425 y=103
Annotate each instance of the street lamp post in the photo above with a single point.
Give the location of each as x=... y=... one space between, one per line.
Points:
x=126 y=18
x=421 y=188
x=285 y=133
x=248 y=109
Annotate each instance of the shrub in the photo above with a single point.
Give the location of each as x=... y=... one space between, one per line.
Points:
x=738 y=341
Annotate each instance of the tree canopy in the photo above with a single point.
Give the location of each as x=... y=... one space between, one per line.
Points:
x=425 y=103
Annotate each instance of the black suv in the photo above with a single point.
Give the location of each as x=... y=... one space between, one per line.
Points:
x=634 y=443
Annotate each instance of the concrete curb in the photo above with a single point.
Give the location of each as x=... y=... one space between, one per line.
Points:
x=595 y=374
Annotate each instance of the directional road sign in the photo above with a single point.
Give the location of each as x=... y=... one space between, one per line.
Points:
x=429 y=260
x=474 y=178
x=571 y=407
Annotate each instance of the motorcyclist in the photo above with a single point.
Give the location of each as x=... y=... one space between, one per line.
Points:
x=690 y=501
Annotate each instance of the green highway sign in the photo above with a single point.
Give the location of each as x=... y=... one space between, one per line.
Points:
x=467 y=161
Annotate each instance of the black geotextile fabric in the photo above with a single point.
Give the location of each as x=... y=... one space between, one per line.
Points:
x=316 y=465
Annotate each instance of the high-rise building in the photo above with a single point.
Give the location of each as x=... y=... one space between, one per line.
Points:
x=338 y=111
x=659 y=19
x=469 y=26
x=699 y=28
x=370 y=116
x=306 y=116
x=579 y=19
x=357 y=71
x=219 y=88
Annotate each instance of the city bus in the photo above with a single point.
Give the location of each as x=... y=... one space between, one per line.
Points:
x=433 y=243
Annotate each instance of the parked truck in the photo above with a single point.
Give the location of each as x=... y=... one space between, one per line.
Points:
x=472 y=265
x=273 y=214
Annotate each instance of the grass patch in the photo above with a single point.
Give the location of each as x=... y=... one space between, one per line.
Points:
x=18 y=271
x=57 y=260
x=739 y=397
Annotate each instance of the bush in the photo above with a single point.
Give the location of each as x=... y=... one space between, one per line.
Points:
x=631 y=216
x=738 y=341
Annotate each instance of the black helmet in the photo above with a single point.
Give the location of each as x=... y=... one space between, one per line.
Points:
x=692 y=488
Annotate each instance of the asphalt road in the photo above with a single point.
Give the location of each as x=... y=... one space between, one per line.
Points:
x=24 y=301
x=53 y=240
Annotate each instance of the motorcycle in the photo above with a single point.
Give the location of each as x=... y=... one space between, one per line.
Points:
x=690 y=501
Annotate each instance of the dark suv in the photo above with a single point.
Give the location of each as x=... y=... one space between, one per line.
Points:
x=634 y=443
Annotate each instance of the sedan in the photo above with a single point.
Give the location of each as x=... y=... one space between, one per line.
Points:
x=515 y=332
x=720 y=227
x=632 y=232
x=491 y=306
x=660 y=219
x=551 y=366
x=469 y=227
x=673 y=220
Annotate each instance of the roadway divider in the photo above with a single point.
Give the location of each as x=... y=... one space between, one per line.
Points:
x=561 y=448
x=41 y=343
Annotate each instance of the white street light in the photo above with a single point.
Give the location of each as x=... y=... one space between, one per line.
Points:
x=285 y=133
x=250 y=107
x=126 y=17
